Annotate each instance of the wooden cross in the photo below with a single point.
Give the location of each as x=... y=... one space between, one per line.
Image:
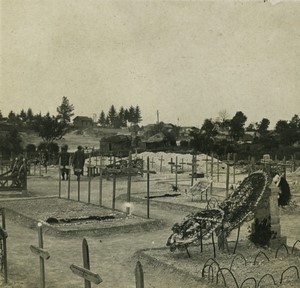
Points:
x=84 y=272
x=90 y=178
x=148 y=172
x=171 y=164
x=42 y=253
x=101 y=167
x=182 y=163
x=161 y=160
x=194 y=168
x=152 y=162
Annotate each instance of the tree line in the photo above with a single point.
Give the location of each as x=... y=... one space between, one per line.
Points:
x=221 y=135
x=120 y=119
x=226 y=135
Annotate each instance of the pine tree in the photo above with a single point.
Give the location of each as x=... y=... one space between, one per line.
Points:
x=112 y=115
x=102 y=119
x=29 y=114
x=122 y=117
x=65 y=110
x=137 y=115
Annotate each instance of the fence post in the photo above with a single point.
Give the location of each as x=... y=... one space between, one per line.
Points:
x=5 y=268
x=89 y=183
x=211 y=172
x=59 y=177
x=129 y=184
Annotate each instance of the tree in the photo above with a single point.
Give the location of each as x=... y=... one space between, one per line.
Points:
x=122 y=117
x=263 y=125
x=65 y=110
x=131 y=115
x=29 y=114
x=12 y=118
x=223 y=115
x=112 y=115
x=1 y=116
x=237 y=124
x=11 y=142
x=102 y=119
x=49 y=128
x=23 y=115
x=288 y=131
x=137 y=115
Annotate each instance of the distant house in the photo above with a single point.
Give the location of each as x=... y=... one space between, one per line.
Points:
x=83 y=122
x=156 y=141
x=116 y=145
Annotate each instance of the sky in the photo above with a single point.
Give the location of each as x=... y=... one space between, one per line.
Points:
x=189 y=60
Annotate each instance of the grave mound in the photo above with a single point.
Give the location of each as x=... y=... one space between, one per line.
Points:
x=62 y=217
x=249 y=262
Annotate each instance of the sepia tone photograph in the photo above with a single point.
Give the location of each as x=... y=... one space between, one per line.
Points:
x=149 y=144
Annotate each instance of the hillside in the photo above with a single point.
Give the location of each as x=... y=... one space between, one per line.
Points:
x=89 y=137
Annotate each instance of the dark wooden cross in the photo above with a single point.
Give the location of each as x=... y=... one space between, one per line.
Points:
x=152 y=162
x=182 y=163
x=42 y=253
x=171 y=163
x=194 y=168
x=148 y=172
x=84 y=272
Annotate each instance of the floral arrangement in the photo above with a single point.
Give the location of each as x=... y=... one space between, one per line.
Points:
x=230 y=214
x=194 y=227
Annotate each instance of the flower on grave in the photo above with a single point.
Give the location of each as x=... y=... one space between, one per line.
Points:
x=230 y=214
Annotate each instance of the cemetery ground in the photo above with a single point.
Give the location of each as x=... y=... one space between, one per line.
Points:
x=113 y=255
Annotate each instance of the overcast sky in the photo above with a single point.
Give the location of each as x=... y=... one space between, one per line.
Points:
x=187 y=59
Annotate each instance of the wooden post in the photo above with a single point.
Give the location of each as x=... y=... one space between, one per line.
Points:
x=234 y=158
x=152 y=162
x=206 y=165
x=161 y=160
x=176 y=170
x=42 y=253
x=69 y=177
x=84 y=272
x=114 y=187
x=5 y=266
x=227 y=174
x=148 y=172
x=171 y=163
x=211 y=172
x=148 y=188
x=100 y=180
x=139 y=275
x=182 y=163
x=86 y=261
x=78 y=187
x=59 y=177
x=129 y=184
x=218 y=169
x=90 y=178
x=42 y=265
x=193 y=170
